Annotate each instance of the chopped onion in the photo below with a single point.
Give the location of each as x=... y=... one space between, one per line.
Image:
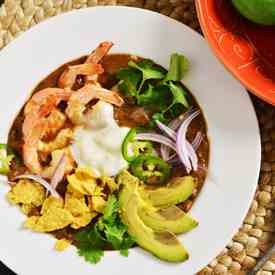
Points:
x=59 y=171
x=42 y=182
x=187 y=153
x=157 y=138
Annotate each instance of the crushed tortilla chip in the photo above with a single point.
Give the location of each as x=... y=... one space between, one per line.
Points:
x=83 y=182
x=97 y=203
x=77 y=206
x=51 y=203
x=27 y=208
x=27 y=192
x=83 y=220
x=54 y=217
x=110 y=182
x=62 y=244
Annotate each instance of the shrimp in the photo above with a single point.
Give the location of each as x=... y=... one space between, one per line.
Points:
x=68 y=77
x=39 y=106
x=90 y=69
x=96 y=56
x=78 y=101
x=99 y=52
x=54 y=123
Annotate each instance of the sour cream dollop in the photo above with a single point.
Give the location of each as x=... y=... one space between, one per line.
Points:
x=98 y=145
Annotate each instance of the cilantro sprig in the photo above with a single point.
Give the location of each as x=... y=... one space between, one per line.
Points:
x=108 y=231
x=152 y=87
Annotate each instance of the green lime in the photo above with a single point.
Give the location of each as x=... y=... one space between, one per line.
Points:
x=258 y=11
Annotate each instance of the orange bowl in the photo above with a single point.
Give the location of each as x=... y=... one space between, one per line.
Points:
x=246 y=49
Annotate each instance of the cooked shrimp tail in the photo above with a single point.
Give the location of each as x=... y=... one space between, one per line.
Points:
x=97 y=55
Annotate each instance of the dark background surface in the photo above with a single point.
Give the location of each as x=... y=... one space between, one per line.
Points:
x=4 y=270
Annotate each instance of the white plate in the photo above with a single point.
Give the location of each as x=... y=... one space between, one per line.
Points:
x=233 y=132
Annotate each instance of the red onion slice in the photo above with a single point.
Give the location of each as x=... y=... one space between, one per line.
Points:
x=185 y=152
x=164 y=152
x=197 y=141
x=157 y=138
x=168 y=131
x=59 y=171
x=192 y=156
x=175 y=124
x=42 y=182
x=195 y=144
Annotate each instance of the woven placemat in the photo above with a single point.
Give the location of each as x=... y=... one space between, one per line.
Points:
x=257 y=232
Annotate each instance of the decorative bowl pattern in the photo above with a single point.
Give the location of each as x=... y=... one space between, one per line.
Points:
x=246 y=49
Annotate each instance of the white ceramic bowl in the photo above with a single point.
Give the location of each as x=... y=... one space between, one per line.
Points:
x=233 y=132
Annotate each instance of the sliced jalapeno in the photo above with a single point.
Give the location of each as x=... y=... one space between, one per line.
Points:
x=150 y=169
x=5 y=159
x=132 y=148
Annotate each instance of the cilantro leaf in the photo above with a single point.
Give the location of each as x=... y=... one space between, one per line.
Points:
x=115 y=234
x=158 y=97
x=115 y=231
x=162 y=93
x=110 y=210
x=179 y=65
x=109 y=230
x=148 y=69
x=91 y=236
x=148 y=97
x=124 y=252
x=90 y=245
x=91 y=255
x=129 y=80
x=179 y=94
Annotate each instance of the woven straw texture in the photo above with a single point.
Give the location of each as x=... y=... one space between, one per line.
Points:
x=257 y=232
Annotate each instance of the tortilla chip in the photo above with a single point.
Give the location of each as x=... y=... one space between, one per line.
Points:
x=97 y=203
x=62 y=244
x=83 y=220
x=27 y=192
x=82 y=182
x=27 y=208
x=54 y=217
x=77 y=206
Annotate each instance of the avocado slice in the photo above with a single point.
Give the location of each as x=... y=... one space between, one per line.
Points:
x=171 y=218
x=162 y=244
x=178 y=190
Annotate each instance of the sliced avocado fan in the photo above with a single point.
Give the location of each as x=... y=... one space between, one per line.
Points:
x=177 y=191
x=171 y=219
x=162 y=244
